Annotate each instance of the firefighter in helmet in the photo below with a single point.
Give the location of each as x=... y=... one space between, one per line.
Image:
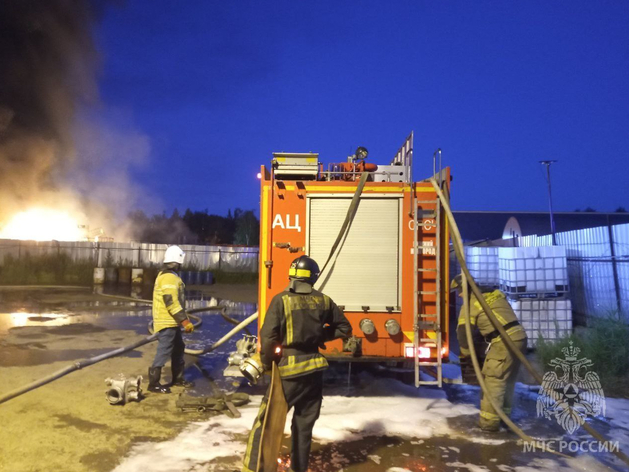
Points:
x=501 y=366
x=299 y=320
x=169 y=312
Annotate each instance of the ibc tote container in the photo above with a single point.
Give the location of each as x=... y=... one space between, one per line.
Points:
x=548 y=318
x=534 y=271
x=482 y=263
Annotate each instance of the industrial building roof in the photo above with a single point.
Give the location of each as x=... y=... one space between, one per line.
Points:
x=490 y=225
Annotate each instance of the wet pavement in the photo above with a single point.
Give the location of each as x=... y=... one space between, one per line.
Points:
x=40 y=329
x=33 y=315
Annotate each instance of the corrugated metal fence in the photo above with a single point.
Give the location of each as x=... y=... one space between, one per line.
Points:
x=226 y=258
x=598 y=267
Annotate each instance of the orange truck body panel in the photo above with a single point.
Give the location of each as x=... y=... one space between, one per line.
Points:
x=283 y=237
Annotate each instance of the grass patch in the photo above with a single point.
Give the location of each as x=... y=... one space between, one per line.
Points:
x=222 y=277
x=46 y=269
x=53 y=268
x=605 y=343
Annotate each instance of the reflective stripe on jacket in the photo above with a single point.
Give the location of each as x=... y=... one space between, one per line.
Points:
x=501 y=309
x=299 y=323
x=169 y=306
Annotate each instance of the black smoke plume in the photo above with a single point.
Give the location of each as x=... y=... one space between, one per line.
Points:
x=47 y=69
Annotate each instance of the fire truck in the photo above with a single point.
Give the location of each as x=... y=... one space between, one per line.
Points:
x=383 y=240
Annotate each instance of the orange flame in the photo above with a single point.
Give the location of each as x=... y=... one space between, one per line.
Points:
x=43 y=224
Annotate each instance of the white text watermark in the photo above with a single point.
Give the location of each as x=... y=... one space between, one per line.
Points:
x=570 y=446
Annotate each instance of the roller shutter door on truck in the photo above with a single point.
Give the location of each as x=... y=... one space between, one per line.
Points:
x=365 y=270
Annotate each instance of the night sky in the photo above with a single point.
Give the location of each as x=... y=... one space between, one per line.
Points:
x=216 y=86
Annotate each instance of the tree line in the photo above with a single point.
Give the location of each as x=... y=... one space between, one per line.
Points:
x=240 y=227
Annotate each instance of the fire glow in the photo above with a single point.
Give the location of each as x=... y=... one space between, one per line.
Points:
x=42 y=224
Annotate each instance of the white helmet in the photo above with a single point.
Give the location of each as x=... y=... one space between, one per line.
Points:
x=174 y=254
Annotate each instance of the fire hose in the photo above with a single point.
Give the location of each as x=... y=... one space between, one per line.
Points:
x=468 y=280
x=81 y=364
x=351 y=212
x=93 y=360
x=194 y=352
x=237 y=328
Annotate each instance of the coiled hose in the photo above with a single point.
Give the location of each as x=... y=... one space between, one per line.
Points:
x=457 y=243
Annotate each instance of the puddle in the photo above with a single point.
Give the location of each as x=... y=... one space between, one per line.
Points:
x=40 y=322
x=380 y=453
x=37 y=354
x=60 y=307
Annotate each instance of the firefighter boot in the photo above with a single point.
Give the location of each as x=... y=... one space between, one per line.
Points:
x=155 y=373
x=178 y=380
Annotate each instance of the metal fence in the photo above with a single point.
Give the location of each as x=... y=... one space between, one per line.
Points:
x=598 y=268
x=225 y=258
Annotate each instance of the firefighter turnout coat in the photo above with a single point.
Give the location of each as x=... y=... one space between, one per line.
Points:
x=501 y=367
x=501 y=310
x=299 y=320
x=168 y=301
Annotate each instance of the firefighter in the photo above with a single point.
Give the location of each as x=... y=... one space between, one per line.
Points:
x=169 y=311
x=299 y=320
x=500 y=369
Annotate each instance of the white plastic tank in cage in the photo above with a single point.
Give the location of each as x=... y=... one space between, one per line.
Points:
x=482 y=263
x=533 y=270
x=550 y=319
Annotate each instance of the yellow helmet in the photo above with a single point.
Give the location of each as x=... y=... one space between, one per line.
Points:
x=457 y=283
x=304 y=268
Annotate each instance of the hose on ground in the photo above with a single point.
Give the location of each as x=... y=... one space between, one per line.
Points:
x=194 y=310
x=195 y=352
x=458 y=249
x=121 y=297
x=76 y=366
x=93 y=360
x=85 y=363
x=200 y=352
x=246 y=322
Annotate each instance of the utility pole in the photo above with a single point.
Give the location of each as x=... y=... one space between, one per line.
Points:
x=550 y=199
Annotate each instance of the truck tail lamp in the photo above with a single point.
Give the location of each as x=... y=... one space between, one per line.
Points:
x=423 y=352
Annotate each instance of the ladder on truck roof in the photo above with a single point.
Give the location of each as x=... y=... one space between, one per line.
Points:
x=428 y=214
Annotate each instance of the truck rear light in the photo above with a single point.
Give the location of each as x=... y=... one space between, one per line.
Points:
x=392 y=327
x=367 y=326
x=424 y=352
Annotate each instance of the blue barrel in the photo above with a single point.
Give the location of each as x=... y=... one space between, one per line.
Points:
x=185 y=276
x=206 y=278
x=195 y=278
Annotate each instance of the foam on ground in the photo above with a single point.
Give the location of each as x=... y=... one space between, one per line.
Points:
x=384 y=407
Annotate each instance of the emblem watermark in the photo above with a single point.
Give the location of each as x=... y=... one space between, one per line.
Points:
x=570 y=392
x=571 y=446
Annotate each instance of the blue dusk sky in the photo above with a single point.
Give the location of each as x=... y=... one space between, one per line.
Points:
x=214 y=87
